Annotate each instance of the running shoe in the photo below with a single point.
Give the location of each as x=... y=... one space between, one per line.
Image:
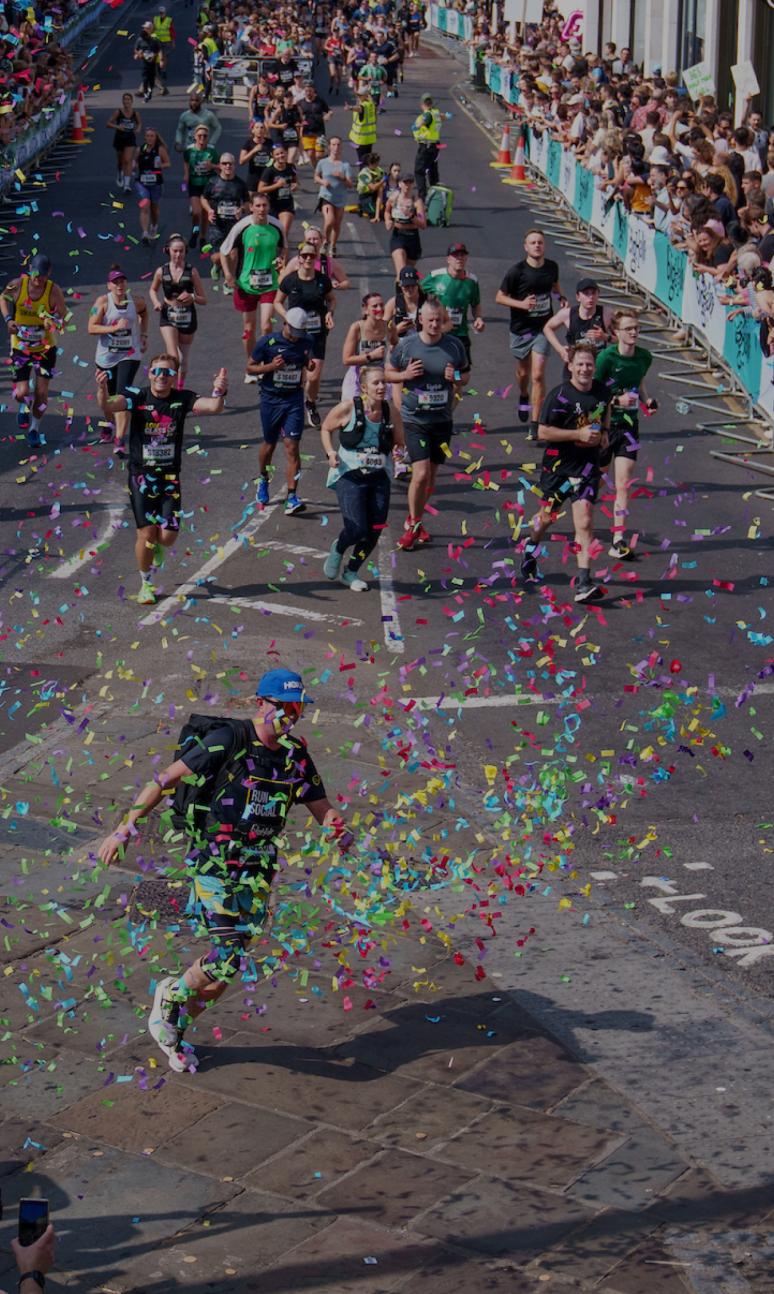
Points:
x=586 y=591
x=33 y=439
x=159 y=553
x=529 y=568
x=312 y=414
x=106 y=436
x=354 y=582
x=332 y=563
x=147 y=595
x=293 y=504
x=531 y=431
x=193 y=241
x=164 y=1028
x=262 y=493
x=214 y=271
x=621 y=551
x=408 y=539
x=121 y=450
x=145 y=240
x=524 y=409
x=423 y=536
x=251 y=379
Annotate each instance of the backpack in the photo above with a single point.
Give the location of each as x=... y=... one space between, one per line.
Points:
x=352 y=438
x=439 y=204
x=195 y=796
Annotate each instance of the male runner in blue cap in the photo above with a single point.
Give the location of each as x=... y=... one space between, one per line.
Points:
x=251 y=774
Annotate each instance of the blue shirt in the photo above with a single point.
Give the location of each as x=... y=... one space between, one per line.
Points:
x=287 y=382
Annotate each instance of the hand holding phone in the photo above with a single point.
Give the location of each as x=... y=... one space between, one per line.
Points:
x=33 y=1220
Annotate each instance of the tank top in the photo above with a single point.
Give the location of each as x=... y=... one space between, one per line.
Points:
x=366 y=344
x=180 y=315
x=404 y=211
x=126 y=125
x=149 y=170
x=34 y=334
x=112 y=347
x=366 y=458
x=577 y=328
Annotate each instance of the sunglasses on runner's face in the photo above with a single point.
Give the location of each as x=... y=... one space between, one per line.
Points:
x=293 y=709
x=306 y=256
x=158 y=371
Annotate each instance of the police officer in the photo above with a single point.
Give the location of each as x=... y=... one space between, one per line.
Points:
x=164 y=33
x=362 y=132
x=427 y=136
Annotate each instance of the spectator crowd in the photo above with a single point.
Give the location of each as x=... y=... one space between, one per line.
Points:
x=36 y=72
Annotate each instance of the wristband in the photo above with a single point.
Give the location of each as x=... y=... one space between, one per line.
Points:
x=217 y=394
x=36 y=1276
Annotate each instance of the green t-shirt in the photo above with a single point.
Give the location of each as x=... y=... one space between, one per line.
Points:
x=375 y=74
x=458 y=295
x=261 y=245
x=622 y=373
x=198 y=173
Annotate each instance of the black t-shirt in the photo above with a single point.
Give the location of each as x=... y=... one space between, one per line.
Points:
x=285 y=72
x=261 y=787
x=313 y=115
x=226 y=197
x=257 y=164
x=310 y=296
x=156 y=432
x=522 y=280
x=567 y=408
x=280 y=199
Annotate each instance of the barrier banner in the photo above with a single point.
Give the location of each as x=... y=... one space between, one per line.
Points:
x=567 y=174
x=494 y=76
x=742 y=351
x=702 y=308
x=583 y=199
x=620 y=230
x=640 y=260
x=554 y=167
x=671 y=273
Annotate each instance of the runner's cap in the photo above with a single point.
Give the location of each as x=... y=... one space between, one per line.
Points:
x=116 y=276
x=40 y=264
x=456 y=249
x=297 y=321
x=426 y=98
x=586 y=285
x=408 y=275
x=282 y=685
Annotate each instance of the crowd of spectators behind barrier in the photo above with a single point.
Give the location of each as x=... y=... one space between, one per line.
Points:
x=679 y=164
x=36 y=73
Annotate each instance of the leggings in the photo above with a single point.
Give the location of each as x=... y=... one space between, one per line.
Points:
x=364 y=500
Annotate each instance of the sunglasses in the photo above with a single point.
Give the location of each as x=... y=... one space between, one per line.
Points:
x=293 y=709
x=306 y=256
x=158 y=371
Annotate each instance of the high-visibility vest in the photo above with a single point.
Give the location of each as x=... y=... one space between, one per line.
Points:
x=363 y=131
x=427 y=134
x=162 y=29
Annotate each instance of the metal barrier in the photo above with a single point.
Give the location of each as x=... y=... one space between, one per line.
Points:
x=232 y=77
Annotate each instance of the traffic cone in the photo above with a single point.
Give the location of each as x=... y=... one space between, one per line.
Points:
x=518 y=173
x=79 y=134
x=504 y=155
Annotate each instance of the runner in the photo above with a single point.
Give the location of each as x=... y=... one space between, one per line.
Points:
x=196 y=114
x=224 y=202
x=374 y=74
x=315 y=112
x=334 y=50
x=312 y=291
x=431 y=368
x=367 y=342
x=586 y=321
x=33 y=307
x=404 y=216
x=157 y=415
x=621 y=368
x=333 y=268
x=526 y=290
x=402 y=310
x=251 y=254
x=459 y=293
x=255 y=154
x=200 y=162
x=368 y=432
x=152 y=162
x=334 y=177
x=427 y=137
x=573 y=425
x=148 y=52
x=280 y=361
x=257 y=772
x=279 y=182
x=175 y=292
x=126 y=124
x=119 y=321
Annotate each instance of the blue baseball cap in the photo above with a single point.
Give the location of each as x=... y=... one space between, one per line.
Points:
x=282 y=685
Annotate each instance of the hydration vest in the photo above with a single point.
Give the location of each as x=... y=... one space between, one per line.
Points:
x=351 y=439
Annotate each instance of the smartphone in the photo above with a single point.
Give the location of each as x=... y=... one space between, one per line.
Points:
x=33 y=1220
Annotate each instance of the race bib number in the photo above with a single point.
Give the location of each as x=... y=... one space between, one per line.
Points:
x=227 y=211
x=284 y=192
x=30 y=334
x=261 y=280
x=290 y=135
x=430 y=399
x=149 y=179
x=287 y=377
x=455 y=316
x=119 y=341
x=542 y=304
x=370 y=460
x=313 y=323
x=179 y=315
x=158 y=451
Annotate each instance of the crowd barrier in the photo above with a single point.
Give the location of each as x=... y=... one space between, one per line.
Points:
x=51 y=121
x=648 y=257
x=232 y=76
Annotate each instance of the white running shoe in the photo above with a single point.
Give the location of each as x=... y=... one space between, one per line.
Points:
x=165 y=1031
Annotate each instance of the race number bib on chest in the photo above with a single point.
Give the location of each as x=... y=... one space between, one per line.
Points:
x=261 y=280
x=155 y=452
x=179 y=315
x=287 y=377
x=432 y=398
x=370 y=460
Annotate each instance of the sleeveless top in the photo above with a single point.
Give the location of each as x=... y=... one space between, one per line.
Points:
x=578 y=328
x=149 y=170
x=112 y=347
x=34 y=334
x=403 y=211
x=180 y=315
x=366 y=458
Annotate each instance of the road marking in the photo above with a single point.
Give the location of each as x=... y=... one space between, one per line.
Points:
x=177 y=598
x=603 y=876
x=113 y=523
x=299 y=612
x=300 y=550
x=750 y=944
x=393 y=634
x=482 y=702
x=698 y=867
x=362 y=281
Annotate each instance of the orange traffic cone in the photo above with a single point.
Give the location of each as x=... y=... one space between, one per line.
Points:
x=518 y=173
x=79 y=134
x=504 y=155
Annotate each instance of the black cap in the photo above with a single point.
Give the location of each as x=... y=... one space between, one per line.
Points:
x=585 y=285
x=408 y=275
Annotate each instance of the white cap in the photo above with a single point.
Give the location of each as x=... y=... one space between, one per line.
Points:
x=297 y=320
x=659 y=156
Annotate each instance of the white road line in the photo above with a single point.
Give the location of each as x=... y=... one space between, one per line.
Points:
x=177 y=598
x=89 y=553
x=482 y=702
x=698 y=867
x=362 y=281
x=300 y=550
x=603 y=876
x=299 y=612
x=393 y=634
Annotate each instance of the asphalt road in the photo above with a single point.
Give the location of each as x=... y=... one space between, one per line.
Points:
x=650 y=785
